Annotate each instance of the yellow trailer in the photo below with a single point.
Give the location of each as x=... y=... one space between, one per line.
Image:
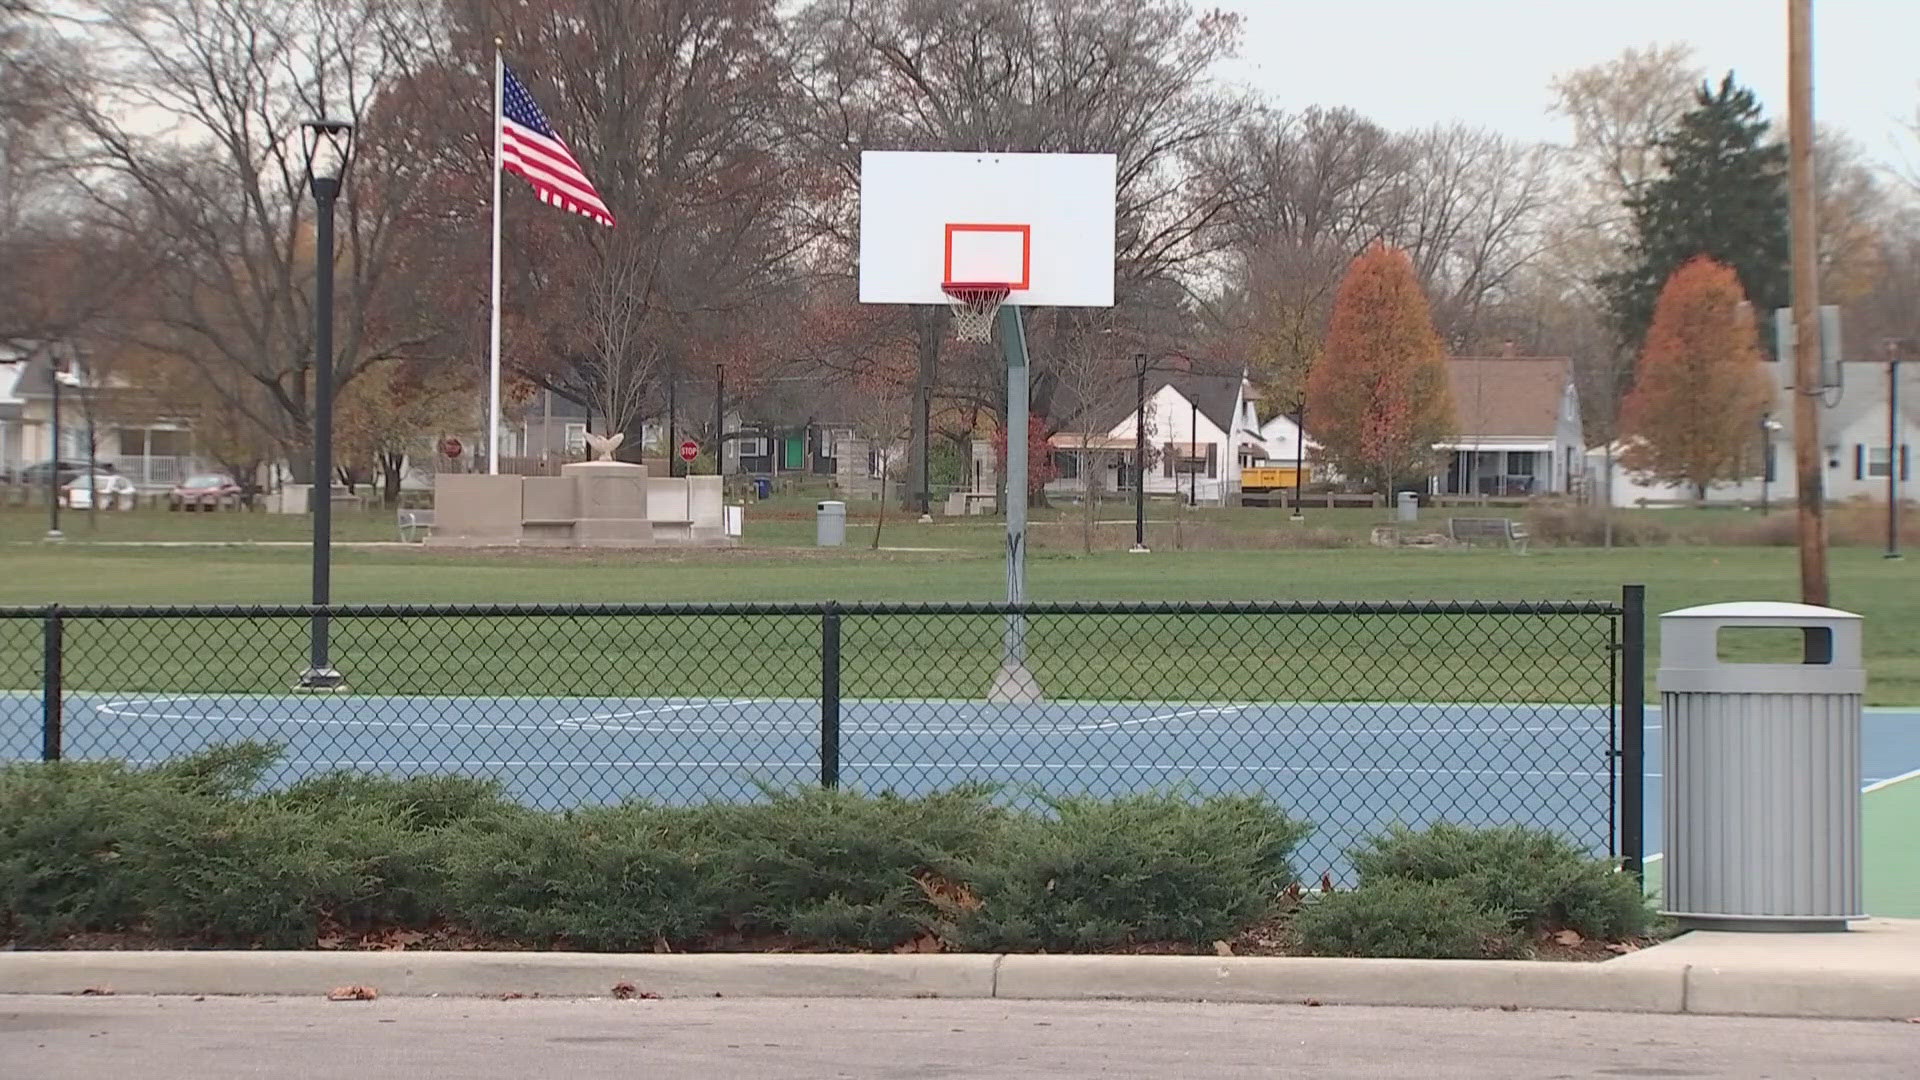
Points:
x=1269 y=478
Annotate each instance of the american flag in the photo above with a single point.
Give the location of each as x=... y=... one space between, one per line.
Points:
x=529 y=147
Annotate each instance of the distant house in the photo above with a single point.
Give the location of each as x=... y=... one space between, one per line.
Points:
x=1518 y=428
x=1202 y=430
x=134 y=435
x=1855 y=451
x=13 y=361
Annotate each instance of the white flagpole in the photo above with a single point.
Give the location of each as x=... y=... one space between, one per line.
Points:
x=493 y=366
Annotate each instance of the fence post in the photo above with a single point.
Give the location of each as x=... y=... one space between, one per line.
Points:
x=830 y=695
x=1633 y=728
x=51 y=698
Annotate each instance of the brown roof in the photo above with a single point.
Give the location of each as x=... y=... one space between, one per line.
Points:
x=1508 y=396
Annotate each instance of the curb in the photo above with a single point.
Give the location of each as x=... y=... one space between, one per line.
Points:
x=493 y=974
x=1645 y=986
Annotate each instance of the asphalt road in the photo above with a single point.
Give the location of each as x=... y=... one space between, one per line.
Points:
x=414 y=1038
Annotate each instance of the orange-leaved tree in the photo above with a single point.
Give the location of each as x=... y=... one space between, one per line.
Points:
x=1699 y=389
x=1377 y=398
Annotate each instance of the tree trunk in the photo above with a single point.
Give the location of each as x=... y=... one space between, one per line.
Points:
x=880 y=521
x=390 y=468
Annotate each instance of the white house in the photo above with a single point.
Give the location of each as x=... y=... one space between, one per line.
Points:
x=1202 y=430
x=1519 y=427
x=1855 y=451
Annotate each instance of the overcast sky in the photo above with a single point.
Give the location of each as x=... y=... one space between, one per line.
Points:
x=1411 y=63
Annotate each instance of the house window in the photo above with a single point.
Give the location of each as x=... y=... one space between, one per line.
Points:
x=1166 y=462
x=1519 y=464
x=1067 y=465
x=753 y=446
x=1213 y=461
x=576 y=438
x=1879 y=461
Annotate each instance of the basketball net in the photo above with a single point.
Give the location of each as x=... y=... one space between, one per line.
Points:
x=974 y=305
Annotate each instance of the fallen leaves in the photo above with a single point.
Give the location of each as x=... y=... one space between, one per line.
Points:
x=1222 y=948
x=1311 y=1003
x=626 y=991
x=97 y=991
x=922 y=942
x=352 y=993
x=1622 y=948
x=1568 y=938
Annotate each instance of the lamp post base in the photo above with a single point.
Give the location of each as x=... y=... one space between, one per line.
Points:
x=1139 y=549
x=1013 y=684
x=54 y=536
x=321 y=678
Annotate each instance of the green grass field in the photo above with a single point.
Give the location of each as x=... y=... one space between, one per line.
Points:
x=961 y=561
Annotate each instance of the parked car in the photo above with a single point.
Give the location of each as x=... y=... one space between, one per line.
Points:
x=36 y=474
x=204 y=491
x=114 y=491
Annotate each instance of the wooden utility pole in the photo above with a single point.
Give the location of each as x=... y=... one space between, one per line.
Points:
x=1806 y=306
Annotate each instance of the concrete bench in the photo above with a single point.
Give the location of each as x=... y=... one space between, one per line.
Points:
x=1467 y=530
x=415 y=525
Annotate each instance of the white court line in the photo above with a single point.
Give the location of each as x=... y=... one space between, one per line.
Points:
x=381 y=763
x=1878 y=785
x=608 y=721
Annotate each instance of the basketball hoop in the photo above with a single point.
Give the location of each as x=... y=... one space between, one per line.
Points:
x=974 y=305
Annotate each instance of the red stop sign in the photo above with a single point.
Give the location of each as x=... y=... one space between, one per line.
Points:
x=689 y=450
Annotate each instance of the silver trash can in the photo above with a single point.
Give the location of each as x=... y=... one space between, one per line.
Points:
x=1409 y=504
x=830 y=524
x=1762 y=768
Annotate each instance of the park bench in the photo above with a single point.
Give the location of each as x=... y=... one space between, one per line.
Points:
x=415 y=525
x=1463 y=530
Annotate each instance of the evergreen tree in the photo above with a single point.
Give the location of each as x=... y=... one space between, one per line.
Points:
x=1377 y=398
x=1699 y=390
x=1722 y=193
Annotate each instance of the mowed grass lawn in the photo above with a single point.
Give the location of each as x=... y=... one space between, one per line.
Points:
x=965 y=566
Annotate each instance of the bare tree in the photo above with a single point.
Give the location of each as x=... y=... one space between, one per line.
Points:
x=1129 y=78
x=195 y=148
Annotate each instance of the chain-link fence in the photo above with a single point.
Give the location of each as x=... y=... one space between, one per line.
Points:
x=1352 y=715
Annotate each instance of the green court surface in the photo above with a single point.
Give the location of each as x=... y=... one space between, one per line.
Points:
x=1889 y=821
x=1890 y=860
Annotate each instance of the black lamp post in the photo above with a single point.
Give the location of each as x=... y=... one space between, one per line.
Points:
x=1299 y=453
x=327 y=144
x=1140 y=452
x=1768 y=425
x=60 y=379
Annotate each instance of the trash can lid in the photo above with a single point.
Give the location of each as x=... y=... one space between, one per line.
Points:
x=1759 y=609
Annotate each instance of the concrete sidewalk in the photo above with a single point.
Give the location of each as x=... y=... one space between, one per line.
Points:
x=170 y=1038
x=1872 y=972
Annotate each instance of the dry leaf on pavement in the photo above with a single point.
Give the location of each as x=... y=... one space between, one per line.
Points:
x=352 y=993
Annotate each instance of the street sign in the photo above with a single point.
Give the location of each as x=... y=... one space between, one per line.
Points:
x=689 y=450
x=451 y=447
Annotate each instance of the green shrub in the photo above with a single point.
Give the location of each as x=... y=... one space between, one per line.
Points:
x=415 y=803
x=1540 y=881
x=1403 y=918
x=846 y=869
x=256 y=873
x=1137 y=868
x=618 y=878
x=61 y=868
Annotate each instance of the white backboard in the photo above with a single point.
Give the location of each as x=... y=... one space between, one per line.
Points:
x=1041 y=223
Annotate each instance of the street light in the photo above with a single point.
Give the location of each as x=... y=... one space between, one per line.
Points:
x=1768 y=425
x=1139 y=453
x=1895 y=346
x=1299 y=454
x=328 y=144
x=60 y=379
